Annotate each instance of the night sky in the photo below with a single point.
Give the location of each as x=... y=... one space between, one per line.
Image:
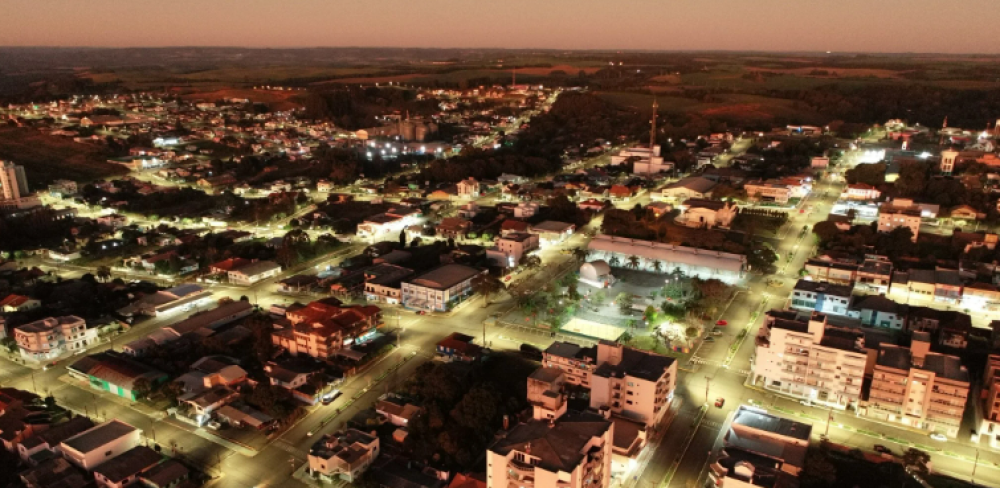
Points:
x=958 y=26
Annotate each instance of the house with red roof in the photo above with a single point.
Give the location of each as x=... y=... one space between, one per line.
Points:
x=323 y=330
x=18 y=303
x=459 y=347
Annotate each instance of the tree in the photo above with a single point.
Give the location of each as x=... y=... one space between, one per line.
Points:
x=691 y=332
x=826 y=231
x=851 y=214
x=402 y=238
x=633 y=262
x=916 y=462
x=625 y=338
x=141 y=387
x=657 y=265
x=478 y=409
x=712 y=294
x=818 y=471
x=486 y=285
x=103 y=273
x=868 y=173
x=614 y=262
x=580 y=254
x=650 y=313
x=530 y=261
x=624 y=301
x=761 y=257
x=912 y=179
x=599 y=297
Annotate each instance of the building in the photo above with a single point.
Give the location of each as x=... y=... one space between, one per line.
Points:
x=891 y=217
x=100 y=444
x=345 y=454
x=707 y=213
x=452 y=228
x=511 y=247
x=388 y=225
x=552 y=232
x=117 y=374
x=918 y=388
x=860 y=192
x=988 y=403
x=254 y=272
x=948 y=159
x=623 y=381
x=53 y=337
x=322 y=330
x=691 y=261
x=874 y=275
x=459 y=347
x=633 y=384
x=439 y=289
x=383 y=283
x=468 y=188
x=800 y=355
x=833 y=272
x=45 y=444
x=56 y=473
x=14 y=191
x=760 y=191
x=688 y=188
x=825 y=298
x=546 y=393
x=760 y=450
x=168 y=474
x=573 y=451
x=126 y=469
x=18 y=303
x=879 y=312
x=938 y=285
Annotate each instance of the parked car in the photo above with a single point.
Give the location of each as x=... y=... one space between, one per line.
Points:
x=719 y=402
x=939 y=437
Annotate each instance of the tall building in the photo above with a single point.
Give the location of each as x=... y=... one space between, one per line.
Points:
x=14 y=191
x=623 y=381
x=919 y=388
x=573 y=451
x=988 y=407
x=799 y=354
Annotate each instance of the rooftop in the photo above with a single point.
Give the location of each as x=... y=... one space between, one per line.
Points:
x=129 y=463
x=99 y=436
x=445 y=277
x=558 y=446
x=825 y=288
x=761 y=420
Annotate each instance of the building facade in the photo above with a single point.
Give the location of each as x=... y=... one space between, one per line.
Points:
x=53 y=337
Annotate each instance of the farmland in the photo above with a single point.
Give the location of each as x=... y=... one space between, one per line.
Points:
x=46 y=158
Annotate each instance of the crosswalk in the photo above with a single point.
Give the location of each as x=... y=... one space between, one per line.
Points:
x=294 y=451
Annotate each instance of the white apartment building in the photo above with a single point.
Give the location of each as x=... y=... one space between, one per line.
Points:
x=800 y=355
x=511 y=247
x=254 y=272
x=948 y=159
x=574 y=451
x=821 y=297
x=919 y=388
x=440 y=288
x=988 y=405
x=891 y=218
x=52 y=337
x=623 y=381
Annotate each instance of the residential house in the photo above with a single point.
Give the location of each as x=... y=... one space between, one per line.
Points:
x=892 y=217
x=468 y=188
x=383 y=283
x=168 y=474
x=453 y=228
x=918 y=388
x=547 y=393
x=551 y=232
x=874 y=275
x=573 y=451
x=56 y=473
x=203 y=402
x=833 y=272
x=100 y=444
x=938 y=285
x=126 y=469
x=879 y=312
x=18 y=303
x=526 y=210
x=45 y=444
x=951 y=327
x=345 y=454
x=965 y=212
x=760 y=450
x=396 y=410
x=800 y=355
x=322 y=330
x=860 y=192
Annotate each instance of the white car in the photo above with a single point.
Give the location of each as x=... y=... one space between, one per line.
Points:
x=939 y=437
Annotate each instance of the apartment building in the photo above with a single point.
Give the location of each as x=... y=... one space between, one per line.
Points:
x=800 y=355
x=321 y=330
x=383 y=282
x=879 y=312
x=623 y=381
x=918 y=388
x=52 y=337
x=835 y=272
x=939 y=285
x=825 y=298
x=546 y=393
x=573 y=451
x=988 y=404
x=892 y=217
x=761 y=191
x=874 y=275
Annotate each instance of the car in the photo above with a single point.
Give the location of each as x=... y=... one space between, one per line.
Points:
x=716 y=333
x=330 y=397
x=709 y=339
x=939 y=437
x=879 y=448
x=719 y=402
x=722 y=323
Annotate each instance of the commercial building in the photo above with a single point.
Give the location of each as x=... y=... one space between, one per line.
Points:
x=117 y=374
x=100 y=444
x=439 y=289
x=322 y=330
x=691 y=261
x=800 y=355
x=623 y=381
x=759 y=191
x=879 y=312
x=688 y=188
x=53 y=337
x=383 y=283
x=552 y=232
x=707 y=213
x=820 y=297
x=761 y=450
x=860 y=192
x=918 y=388
x=254 y=272
x=345 y=454
x=573 y=451
x=892 y=217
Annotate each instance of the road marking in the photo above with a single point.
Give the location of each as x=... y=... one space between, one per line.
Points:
x=299 y=454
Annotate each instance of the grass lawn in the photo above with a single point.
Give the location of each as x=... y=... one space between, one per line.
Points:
x=46 y=158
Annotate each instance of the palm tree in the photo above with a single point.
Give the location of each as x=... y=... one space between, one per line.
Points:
x=614 y=262
x=915 y=463
x=625 y=338
x=657 y=265
x=633 y=262
x=103 y=273
x=580 y=254
x=486 y=285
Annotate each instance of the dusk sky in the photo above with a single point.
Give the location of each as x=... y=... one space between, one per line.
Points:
x=959 y=26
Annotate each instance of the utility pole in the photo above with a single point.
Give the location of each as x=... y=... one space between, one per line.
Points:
x=975 y=464
x=708 y=383
x=829 y=417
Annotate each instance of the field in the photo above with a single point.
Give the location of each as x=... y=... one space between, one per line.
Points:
x=734 y=107
x=276 y=100
x=46 y=158
x=223 y=77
